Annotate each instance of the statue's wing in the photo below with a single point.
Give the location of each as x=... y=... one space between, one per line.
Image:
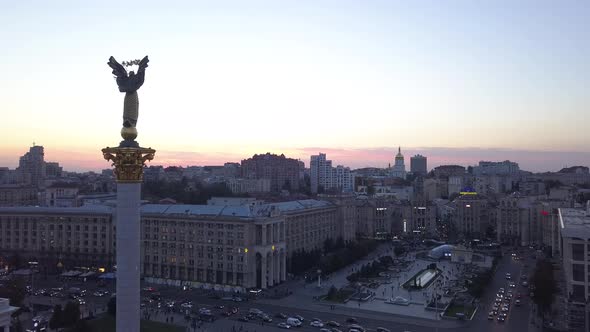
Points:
x=143 y=64
x=118 y=69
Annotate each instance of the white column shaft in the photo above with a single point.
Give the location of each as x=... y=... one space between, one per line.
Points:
x=128 y=251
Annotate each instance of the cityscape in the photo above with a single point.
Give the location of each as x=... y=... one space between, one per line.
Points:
x=329 y=167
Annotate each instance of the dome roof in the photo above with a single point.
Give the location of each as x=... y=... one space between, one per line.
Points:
x=399 y=153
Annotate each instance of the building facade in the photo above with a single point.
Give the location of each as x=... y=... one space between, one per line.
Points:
x=471 y=216
x=506 y=167
x=325 y=177
x=283 y=172
x=574 y=231
x=418 y=165
x=18 y=195
x=33 y=163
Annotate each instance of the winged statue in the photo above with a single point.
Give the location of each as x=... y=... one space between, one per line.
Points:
x=129 y=83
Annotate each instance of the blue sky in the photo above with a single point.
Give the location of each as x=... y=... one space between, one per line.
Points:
x=228 y=79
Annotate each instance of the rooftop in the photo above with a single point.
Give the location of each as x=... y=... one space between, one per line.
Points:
x=574 y=223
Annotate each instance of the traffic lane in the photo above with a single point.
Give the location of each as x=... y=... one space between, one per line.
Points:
x=272 y=310
x=481 y=321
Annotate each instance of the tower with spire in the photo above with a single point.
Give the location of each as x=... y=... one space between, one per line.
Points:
x=399 y=168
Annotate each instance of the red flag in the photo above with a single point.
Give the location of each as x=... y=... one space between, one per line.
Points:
x=545 y=213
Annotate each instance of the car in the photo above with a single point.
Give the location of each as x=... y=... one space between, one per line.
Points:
x=513 y=285
x=292 y=321
x=517 y=303
x=227 y=313
x=356 y=327
x=255 y=311
x=204 y=311
x=352 y=320
x=524 y=283
x=501 y=319
x=490 y=316
x=237 y=299
x=267 y=319
x=281 y=315
x=301 y=319
x=187 y=305
x=219 y=306
x=316 y=323
x=333 y=323
x=518 y=295
x=513 y=254
x=316 y=319
x=382 y=329
x=283 y=325
x=243 y=319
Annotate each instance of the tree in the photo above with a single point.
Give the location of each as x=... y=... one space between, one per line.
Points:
x=56 y=320
x=15 y=291
x=545 y=286
x=332 y=292
x=81 y=326
x=112 y=306
x=71 y=314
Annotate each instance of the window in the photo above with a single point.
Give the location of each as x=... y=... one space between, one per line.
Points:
x=578 y=272
x=578 y=251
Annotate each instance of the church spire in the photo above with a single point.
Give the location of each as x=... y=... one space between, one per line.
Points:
x=399 y=149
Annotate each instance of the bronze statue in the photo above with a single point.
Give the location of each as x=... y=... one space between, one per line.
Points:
x=129 y=83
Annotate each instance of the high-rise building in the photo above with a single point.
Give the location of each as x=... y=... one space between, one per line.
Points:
x=326 y=177
x=33 y=163
x=283 y=172
x=399 y=168
x=418 y=165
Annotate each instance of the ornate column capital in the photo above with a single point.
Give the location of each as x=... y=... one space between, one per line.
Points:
x=129 y=162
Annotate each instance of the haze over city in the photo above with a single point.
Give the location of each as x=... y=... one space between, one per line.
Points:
x=461 y=83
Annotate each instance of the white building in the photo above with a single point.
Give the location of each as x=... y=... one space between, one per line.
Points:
x=574 y=229
x=326 y=177
x=399 y=168
x=506 y=167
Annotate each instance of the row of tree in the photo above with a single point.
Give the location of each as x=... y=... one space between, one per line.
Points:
x=182 y=192
x=336 y=255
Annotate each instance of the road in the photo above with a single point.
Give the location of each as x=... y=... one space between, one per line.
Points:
x=518 y=317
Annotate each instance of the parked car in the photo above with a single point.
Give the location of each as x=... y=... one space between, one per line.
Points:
x=284 y=325
x=292 y=321
x=281 y=315
x=316 y=323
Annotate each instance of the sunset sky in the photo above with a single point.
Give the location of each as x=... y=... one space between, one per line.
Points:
x=457 y=81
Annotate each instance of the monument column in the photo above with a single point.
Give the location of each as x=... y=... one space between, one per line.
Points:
x=129 y=163
x=129 y=160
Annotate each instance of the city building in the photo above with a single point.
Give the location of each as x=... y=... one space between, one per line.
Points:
x=399 y=168
x=18 y=195
x=72 y=237
x=418 y=165
x=283 y=172
x=61 y=195
x=419 y=218
x=471 y=216
x=308 y=224
x=232 y=243
x=506 y=167
x=234 y=247
x=574 y=235
x=33 y=163
x=324 y=177
x=512 y=219
x=248 y=186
